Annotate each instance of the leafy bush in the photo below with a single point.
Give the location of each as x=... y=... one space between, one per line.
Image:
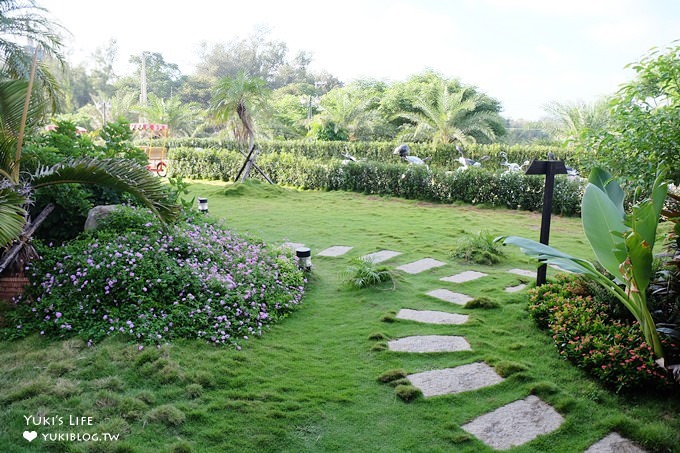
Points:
x=134 y=278
x=479 y=249
x=587 y=332
x=474 y=185
x=443 y=156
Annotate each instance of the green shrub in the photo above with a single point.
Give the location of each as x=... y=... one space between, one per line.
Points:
x=587 y=332
x=479 y=249
x=482 y=302
x=392 y=178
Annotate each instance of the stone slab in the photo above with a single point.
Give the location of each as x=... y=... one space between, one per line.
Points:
x=429 y=343
x=431 y=317
x=614 y=443
x=382 y=255
x=515 y=289
x=464 y=277
x=293 y=245
x=336 y=250
x=450 y=296
x=523 y=272
x=515 y=424
x=455 y=380
x=419 y=266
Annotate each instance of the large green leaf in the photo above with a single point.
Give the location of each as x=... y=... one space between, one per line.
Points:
x=643 y=221
x=603 y=225
x=548 y=255
x=119 y=174
x=12 y=215
x=606 y=182
x=639 y=262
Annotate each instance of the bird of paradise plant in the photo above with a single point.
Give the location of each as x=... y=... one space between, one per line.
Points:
x=622 y=242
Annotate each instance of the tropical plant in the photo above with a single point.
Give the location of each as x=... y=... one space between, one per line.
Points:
x=17 y=188
x=234 y=102
x=622 y=243
x=479 y=249
x=182 y=118
x=21 y=22
x=453 y=114
x=570 y=121
x=363 y=273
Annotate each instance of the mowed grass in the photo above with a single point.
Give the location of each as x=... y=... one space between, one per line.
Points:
x=310 y=383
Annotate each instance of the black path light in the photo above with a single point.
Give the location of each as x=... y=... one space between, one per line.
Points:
x=549 y=168
x=203 y=205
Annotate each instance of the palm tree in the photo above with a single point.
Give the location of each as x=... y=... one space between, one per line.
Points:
x=348 y=113
x=25 y=21
x=182 y=118
x=453 y=115
x=22 y=106
x=570 y=120
x=234 y=102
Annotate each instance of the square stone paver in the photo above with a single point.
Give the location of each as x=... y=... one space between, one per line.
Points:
x=336 y=250
x=431 y=317
x=523 y=272
x=514 y=289
x=614 y=443
x=455 y=380
x=293 y=245
x=464 y=277
x=450 y=296
x=429 y=343
x=515 y=424
x=382 y=255
x=419 y=266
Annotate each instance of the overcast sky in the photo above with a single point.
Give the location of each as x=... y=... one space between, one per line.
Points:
x=525 y=53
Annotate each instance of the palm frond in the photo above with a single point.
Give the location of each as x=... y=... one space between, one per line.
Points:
x=12 y=215
x=119 y=174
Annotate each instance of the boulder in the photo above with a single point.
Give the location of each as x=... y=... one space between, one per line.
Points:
x=97 y=214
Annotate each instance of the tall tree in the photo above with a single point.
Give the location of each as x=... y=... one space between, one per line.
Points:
x=181 y=118
x=235 y=102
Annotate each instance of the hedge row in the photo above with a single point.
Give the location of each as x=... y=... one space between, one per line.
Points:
x=441 y=156
x=474 y=185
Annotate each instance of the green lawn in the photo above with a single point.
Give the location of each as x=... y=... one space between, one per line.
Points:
x=310 y=383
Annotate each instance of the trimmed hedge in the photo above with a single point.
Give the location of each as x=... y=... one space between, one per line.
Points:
x=441 y=156
x=474 y=185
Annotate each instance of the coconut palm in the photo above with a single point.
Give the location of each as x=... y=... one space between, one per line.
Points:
x=451 y=115
x=182 y=118
x=568 y=121
x=234 y=102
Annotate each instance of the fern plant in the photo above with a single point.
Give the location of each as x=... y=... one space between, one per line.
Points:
x=363 y=273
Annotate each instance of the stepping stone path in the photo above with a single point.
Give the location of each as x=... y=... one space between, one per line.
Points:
x=614 y=443
x=429 y=343
x=420 y=266
x=379 y=257
x=511 y=425
x=514 y=289
x=464 y=277
x=523 y=272
x=450 y=296
x=455 y=380
x=336 y=250
x=515 y=423
x=431 y=317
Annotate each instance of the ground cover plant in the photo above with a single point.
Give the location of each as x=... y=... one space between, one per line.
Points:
x=311 y=383
x=136 y=278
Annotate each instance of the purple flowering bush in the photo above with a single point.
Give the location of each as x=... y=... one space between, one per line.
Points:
x=133 y=278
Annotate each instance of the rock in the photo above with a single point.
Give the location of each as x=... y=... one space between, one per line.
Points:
x=97 y=214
